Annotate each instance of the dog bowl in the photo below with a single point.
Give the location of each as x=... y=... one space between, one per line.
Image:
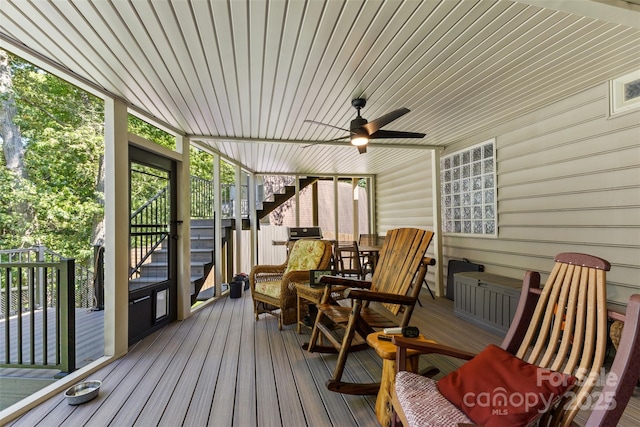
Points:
x=82 y=392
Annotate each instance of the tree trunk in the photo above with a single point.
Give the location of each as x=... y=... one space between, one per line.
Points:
x=11 y=138
x=97 y=234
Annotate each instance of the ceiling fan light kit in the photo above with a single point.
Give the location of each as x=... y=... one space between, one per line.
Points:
x=358 y=140
x=361 y=131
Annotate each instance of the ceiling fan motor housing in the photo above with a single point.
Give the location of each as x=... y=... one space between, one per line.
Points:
x=356 y=123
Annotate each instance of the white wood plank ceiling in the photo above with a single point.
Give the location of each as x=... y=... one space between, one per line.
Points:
x=242 y=76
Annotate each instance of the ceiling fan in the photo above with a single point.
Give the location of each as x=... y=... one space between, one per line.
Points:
x=361 y=131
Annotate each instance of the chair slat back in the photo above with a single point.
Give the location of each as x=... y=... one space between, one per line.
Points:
x=400 y=257
x=568 y=329
x=347 y=258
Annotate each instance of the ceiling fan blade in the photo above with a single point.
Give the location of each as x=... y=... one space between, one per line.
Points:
x=324 y=124
x=373 y=126
x=362 y=148
x=395 y=134
x=328 y=140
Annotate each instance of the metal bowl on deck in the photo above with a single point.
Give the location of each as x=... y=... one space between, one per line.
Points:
x=82 y=392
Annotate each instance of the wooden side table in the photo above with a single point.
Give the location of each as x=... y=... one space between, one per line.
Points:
x=387 y=351
x=310 y=294
x=305 y=294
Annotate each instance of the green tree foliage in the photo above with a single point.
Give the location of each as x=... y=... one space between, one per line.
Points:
x=62 y=132
x=201 y=162
x=58 y=204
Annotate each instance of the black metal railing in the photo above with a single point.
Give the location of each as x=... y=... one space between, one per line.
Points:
x=201 y=198
x=149 y=228
x=84 y=288
x=40 y=331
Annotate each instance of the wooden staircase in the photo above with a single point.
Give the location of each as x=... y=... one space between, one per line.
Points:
x=202 y=259
x=202 y=247
x=280 y=198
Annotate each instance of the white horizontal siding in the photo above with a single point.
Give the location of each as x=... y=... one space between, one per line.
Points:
x=404 y=196
x=404 y=199
x=568 y=180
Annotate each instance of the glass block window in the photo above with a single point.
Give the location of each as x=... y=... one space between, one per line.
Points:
x=625 y=93
x=469 y=191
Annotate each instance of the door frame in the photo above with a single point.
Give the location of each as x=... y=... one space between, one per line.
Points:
x=149 y=296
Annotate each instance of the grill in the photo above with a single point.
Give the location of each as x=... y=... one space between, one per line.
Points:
x=297 y=233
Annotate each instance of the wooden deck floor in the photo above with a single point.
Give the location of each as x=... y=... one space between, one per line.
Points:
x=17 y=383
x=222 y=368
x=89 y=336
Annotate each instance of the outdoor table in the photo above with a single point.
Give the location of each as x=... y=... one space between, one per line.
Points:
x=387 y=351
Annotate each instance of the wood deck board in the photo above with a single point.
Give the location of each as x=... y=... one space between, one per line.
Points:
x=57 y=409
x=221 y=367
x=245 y=390
x=312 y=406
x=223 y=402
x=164 y=390
x=268 y=411
x=89 y=343
x=200 y=410
x=154 y=378
x=181 y=395
x=289 y=397
x=132 y=380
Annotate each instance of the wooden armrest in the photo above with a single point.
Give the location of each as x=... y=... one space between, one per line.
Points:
x=431 y=348
x=296 y=276
x=270 y=269
x=348 y=282
x=365 y=294
x=429 y=261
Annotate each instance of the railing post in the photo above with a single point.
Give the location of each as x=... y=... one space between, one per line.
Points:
x=67 y=312
x=40 y=297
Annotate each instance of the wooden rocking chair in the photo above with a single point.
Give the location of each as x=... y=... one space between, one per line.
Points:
x=561 y=328
x=386 y=301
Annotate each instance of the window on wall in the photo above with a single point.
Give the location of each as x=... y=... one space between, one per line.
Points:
x=625 y=93
x=469 y=191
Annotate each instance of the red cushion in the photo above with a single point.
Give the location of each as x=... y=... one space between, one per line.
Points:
x=496 y=388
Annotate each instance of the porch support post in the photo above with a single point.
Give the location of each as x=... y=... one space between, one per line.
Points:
x=297 y=199
x=371 y=199
x=116 y=211
x=253 y=220
x=437 y=223
x=237 y=264
x=314 y=204
x=183 y=184
x=356 y=209
x=217 y=209
x=336 y=213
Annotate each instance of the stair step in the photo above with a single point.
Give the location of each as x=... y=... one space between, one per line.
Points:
x=202 y=222
x=277 y=199
x=201 y=259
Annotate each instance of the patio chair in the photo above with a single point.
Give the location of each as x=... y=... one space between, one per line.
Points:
x=368 y=259
x=554 y=349
x=385 y=301
x=273 y=286
x=347 y=259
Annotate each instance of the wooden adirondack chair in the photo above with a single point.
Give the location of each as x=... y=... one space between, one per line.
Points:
x=386 y=301
x=561 y=328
